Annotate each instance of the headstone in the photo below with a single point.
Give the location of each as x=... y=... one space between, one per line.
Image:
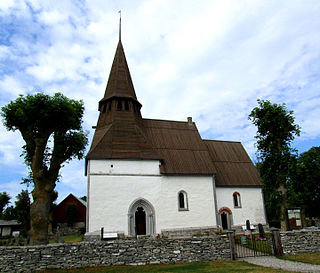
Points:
x=62 y=240
x=248 y=224
x=20 y=241
x=261 y=231
x=15 y=234
x=56 y=239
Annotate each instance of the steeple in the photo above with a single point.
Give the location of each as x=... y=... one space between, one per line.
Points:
x=120 y=100
x=120 y=132
x=120 y=82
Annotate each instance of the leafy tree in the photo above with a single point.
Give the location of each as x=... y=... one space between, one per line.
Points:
x=4 y=201
x=84 y=198
x=9 y=213
x=305 y=187
x=22 y=211
x=275 y=132
x=40 y=119
x=53 y=205
x=72 y=213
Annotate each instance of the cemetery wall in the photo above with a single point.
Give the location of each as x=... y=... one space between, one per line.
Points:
x=116 y=252
x=300 y=241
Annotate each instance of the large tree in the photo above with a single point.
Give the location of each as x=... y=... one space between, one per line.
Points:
x=51 y=127
x=4 y=201
x=275 y=132
x=305 y=186
x=22 y=208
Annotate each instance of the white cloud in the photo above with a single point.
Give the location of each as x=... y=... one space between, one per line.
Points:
x=12 y=86
x=210 y=60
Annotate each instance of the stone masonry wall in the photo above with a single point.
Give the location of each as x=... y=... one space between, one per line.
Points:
x=300 y=241
x=116 y=252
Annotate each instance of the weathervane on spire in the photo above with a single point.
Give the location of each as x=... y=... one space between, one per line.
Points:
x=120 y=26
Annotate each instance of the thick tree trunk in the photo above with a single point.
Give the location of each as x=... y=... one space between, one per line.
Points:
x=284 y=207
x=39 y=211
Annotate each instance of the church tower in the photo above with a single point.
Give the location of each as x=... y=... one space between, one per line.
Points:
x=119 y=132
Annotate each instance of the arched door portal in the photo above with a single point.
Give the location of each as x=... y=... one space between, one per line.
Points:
x=225 y=218
x=141 y=219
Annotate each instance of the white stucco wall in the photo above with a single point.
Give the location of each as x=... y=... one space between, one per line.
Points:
x=251 y=204
x=112 y=190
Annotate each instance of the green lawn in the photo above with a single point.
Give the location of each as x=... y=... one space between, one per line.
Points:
x=262 y=245
x=215 y=266
x=68 y=239
x=310 y=258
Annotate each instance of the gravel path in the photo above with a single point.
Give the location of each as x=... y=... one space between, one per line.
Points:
x=269 y=261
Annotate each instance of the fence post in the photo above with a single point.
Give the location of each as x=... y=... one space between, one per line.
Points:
x=276 y=242
x=232 y=244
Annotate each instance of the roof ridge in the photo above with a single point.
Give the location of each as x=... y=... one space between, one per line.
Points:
x=180 y=121
x=217 y=140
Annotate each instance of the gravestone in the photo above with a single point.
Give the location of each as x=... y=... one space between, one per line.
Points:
x=261 y=231
x=20 y=240
x=56 y=239
x=248 y=224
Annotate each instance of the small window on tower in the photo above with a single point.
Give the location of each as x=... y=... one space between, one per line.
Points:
x=182 y=201
x=119 y=105
x=126 y=105
x=109 y=105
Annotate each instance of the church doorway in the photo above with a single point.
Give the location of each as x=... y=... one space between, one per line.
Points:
x=224 y=220
x=141 y=218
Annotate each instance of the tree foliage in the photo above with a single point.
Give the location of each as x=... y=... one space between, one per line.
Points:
x=22 y=208
x=275 y=132
x=4 y=201
x=305 y=182
x=40 y=119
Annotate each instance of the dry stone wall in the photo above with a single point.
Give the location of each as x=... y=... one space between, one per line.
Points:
x=117 y=252
x=300 y=241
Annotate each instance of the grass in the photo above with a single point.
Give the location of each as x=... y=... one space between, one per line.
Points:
x=310 y=258
x=258 y=245
x=73 y=238
x=215 y=266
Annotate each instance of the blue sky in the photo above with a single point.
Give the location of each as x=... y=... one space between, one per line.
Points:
x=210 y=60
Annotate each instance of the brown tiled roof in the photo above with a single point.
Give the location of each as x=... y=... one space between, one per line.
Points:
x=233 y=165
x=121 y=140
x=180 y=146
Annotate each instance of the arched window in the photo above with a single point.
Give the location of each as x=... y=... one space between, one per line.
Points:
x=236 y=200
x=182 y=201
x=119 y=105
x=126 y=105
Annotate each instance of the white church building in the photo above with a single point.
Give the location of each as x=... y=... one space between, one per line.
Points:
x=151 y=176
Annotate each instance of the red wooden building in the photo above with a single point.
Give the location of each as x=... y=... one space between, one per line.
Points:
x=60 y=213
